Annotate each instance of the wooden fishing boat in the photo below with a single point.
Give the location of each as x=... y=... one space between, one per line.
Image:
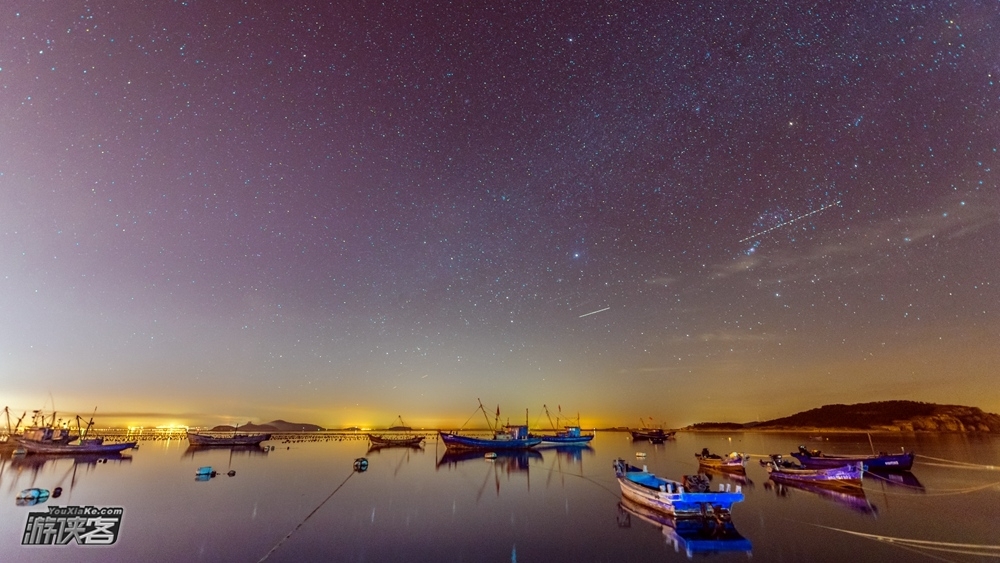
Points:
x=688 y=498
x=654 y=435
x=384 y=441
x=507 y=438
x=202 y=440
x=84 y=446
x=731 y=462
x=847 y=476
x=815 y=459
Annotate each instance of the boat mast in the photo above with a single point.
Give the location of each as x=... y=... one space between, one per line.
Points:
x=549 y=416
x=486 y=416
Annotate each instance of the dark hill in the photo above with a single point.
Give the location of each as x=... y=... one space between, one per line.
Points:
x=283 y=426
x=884 y=416
x=273 y=426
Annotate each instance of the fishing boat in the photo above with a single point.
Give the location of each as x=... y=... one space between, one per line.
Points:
x=695 y=536
x=509 y=437
x=569 y=435
x=688 y=498
x=390 y=440
x=200 y=440
x=847 y=476
x=384 y=441
x=815 y=459
x=506 y=438
x=731 y=462
x=33 y=445
x=55 y=440
x=654 y=435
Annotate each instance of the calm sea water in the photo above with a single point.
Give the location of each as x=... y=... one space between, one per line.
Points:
x=302 y=501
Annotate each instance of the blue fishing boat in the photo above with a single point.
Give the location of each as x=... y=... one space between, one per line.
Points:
x=507 y=438
x=691 y=497
x=567 y=436
x=815 y=459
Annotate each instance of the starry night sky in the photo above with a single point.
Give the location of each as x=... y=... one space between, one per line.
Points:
x=220 y=211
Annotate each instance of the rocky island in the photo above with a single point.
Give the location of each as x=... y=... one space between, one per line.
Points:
x=884 y=416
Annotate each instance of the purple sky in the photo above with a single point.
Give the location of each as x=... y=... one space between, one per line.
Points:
x=215 y=212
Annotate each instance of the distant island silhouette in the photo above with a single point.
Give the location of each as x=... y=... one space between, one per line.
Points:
x=273 y=426
x=883 y=416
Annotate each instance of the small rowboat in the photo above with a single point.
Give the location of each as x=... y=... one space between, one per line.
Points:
x=196 y=439
x=691 y=497
x=815 y=459
x=383 y=441
x=731 y=462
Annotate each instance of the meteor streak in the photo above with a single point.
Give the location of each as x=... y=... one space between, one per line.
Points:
x=593 y=312
x=779 y=225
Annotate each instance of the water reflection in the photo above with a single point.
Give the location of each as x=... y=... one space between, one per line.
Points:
x=569 y=453
x=905 y=480
x=853 y=498
x=35 y=462
x=696 y=536
x=509 y=461
x=376 y=448
x=737 y=477
x=234 y=451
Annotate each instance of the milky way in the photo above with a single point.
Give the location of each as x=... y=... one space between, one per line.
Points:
x=342 y=213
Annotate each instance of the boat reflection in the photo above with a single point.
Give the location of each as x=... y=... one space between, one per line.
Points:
x=36 y=462
x=240 y=451
x=375 y=448
x=696 y=536
x=853 y=498
x=738 y=477
x=570 y=453
x=905 y=480
x=510 y=460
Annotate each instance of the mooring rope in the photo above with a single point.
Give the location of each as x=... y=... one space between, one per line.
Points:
x=957 y=464
x=980 y=550
x=585 y=478
x=277 y=545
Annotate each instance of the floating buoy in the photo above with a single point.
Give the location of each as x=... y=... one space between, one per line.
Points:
x=231 y=473
x=207 y=470
x=491 y=455
x=361 y=465
x=57 y=492
x=31 y=497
